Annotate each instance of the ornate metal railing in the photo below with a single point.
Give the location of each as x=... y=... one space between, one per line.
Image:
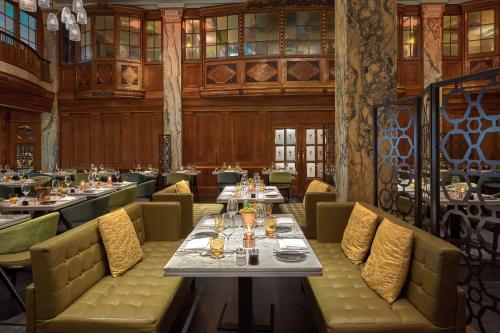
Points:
x=445 y=178
x=15 y=52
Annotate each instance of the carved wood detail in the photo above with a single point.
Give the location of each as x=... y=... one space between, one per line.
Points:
x=303 y=70
x=104 y=74
x=130 y=74
x=261 y=71
x=224 y=73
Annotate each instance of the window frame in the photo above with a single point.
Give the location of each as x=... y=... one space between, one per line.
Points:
x=466 y=32
x=184 y=39
x=90 y=40
x=130 y=32
x=146 y=45
x=417 y=35
x=243 y=35
x=95 y=30
x=459 y=33
x=227 y=29
x=322 y=26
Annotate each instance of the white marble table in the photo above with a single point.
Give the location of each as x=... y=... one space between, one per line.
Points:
x=271 y=194
x=60 y=174
x=35 y=206
x=238 y=171
x=19 y=183
x=267 y=172
x=12 y=220
x=92 y=193
x=119 y=185
x=191 y=263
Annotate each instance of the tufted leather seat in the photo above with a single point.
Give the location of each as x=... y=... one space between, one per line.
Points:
x=342 y=302
x=191 y=212
x=73 y=291
x=305 y=213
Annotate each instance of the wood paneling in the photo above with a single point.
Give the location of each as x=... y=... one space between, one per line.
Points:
x=4 y=137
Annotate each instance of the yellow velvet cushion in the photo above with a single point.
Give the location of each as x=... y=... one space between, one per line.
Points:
x=316 y=186
x=120 y=241
x=358 y=234
x=182 y=187
x=387 y=266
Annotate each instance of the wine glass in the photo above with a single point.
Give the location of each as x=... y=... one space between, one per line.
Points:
x=91 y=179
x=150 y=168
x=232 y=209
x=57 y=168
x=260 y=215
x=117 y=175
x=55 y=185
x=25 y=188
x=101 y=167
x=67 y=181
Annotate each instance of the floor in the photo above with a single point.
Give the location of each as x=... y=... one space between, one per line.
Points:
x=285 y=294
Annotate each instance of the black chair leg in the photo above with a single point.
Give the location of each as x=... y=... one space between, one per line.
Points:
x=12 y=288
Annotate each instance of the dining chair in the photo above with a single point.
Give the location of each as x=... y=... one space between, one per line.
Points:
x=134 y=177
x=5 y=191
x=227 y=178
x=145 y=190
x=282 y=180
x=15 y=245
x=121 y=198
x=82 y=212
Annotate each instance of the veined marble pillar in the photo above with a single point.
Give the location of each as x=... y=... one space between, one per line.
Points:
x=366 y=63
x=172 y=65
x=432 y=42
x=50 y=120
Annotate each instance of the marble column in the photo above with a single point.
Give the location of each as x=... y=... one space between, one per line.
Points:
x=432 y=42
x=172 y=65
x=50 y=120
x=366 y=64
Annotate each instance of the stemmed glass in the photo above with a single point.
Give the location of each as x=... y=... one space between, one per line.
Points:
x=25 y=188
x=232 y=209
x=138 y=167
x=57 y=168
x=117 y=175
x=67 y=181
x=260 y=215
x=91 y=180
x=150 y=168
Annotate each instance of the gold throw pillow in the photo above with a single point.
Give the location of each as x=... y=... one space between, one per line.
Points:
x=182 y=187
x=358 y=234
x=316 y=186
x=120 y=241
x=387 y=266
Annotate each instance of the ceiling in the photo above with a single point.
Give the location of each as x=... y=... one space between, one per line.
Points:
x=151 y=4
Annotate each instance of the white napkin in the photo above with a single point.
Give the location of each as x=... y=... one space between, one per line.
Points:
x=285 y=221
x=229 y=188
x=269 y=187
x=272 y=193
x=198 y=244
x=208 y=222
x=292 y=244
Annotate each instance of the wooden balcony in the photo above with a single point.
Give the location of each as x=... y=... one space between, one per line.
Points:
x=17 y=53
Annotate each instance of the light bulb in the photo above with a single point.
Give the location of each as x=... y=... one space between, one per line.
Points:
x=77 y=4
x=45 y=4
x=28 y=5
x=81 y=16
x=52 y=23
x=74 y=33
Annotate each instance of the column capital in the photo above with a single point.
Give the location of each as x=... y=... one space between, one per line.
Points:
x=432 y=11
x=172 y=15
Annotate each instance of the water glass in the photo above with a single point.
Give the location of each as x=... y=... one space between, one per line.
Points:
x=219 y=223
x=217 y=246
x=67 y=181
x=270 y=226
x=232 y=208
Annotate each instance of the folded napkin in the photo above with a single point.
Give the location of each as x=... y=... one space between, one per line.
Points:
x=272 y=193
x=229 y=188
x=292 y=244
x=269 y=187
x=285 y=221
x=198 y=244
x=208 y=222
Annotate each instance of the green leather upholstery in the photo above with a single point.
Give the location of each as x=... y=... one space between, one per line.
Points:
x=280 y=178
x=121 y=198
x=16 y=240
x=134 y=177
x=85 y=211
x=72 y=289
x=429 y=302
x=145 y=190
x=5 y=191
x=306 y=215
x=227 y=178
x=44 y=180
x=172 y=178
x=190 y=212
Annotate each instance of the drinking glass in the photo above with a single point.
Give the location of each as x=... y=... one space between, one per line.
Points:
x=138 y=167
x=227 y=222
x=67 y=181
x=217 y=246
x=91 y=179
x=260 y=214
x=101 y=167
x=270 y=226
x=25 y=188
x=269 y=208
x=150 y=168
x=232 y=209
x=219 y=223
x=117 y=175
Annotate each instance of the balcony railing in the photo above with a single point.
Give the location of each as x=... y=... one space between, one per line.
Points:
x=15 y=52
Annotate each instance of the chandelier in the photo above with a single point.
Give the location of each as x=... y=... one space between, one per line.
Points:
x=70 y=17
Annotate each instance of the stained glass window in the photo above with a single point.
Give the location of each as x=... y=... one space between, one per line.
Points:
x=86 y=41
x=153 y=41
x=221 y=36
x=262 y=34
x=130 y=37
x=481 y=36
x=27 y=29
x=450 y=35
x=303 y=32
x=410 y=35
x=192 y=39
x=105 y=36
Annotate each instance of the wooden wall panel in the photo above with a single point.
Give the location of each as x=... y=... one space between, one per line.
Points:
x=4 y=137
x=80 y=133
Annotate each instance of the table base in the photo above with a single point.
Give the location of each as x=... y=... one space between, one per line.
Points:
x=245 y=311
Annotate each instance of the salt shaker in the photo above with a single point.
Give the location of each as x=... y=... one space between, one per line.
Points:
x=241 y=256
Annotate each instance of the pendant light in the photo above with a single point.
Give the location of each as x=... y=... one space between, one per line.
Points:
x=74 y=33
x=70 y=20
x=28 y=5
x=52 y=23
x=64 y=14
x=81 y=16
x=44 y=4
x=77 y=5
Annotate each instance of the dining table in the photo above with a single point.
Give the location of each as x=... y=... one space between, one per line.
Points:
x=271 y=194
x=55 y=203
x=12 y=220
x=238 y=171
x=19 y=183
x=286 y=254
x=267 y=172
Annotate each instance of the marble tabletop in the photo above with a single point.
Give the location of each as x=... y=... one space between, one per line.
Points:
x=12 y=220
x=239 y=171
x=267 y=172
x=272 y=194
x=191 y=263
x=19 y=183
x=192 y=173
x=119 y=185
x=35 y=206
x=92 y=193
